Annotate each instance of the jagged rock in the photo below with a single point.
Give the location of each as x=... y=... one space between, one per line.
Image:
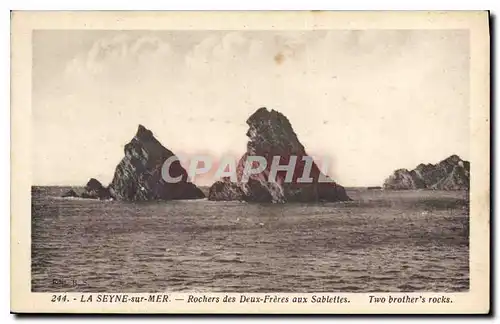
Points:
x=271 y=134
x=403 y=179
x=458 y=179
x=225 y=190
x=449 y=174
x=95 y=190
x=70 y=193
x=138 y=176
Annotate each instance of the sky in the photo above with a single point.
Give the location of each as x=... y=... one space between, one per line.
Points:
x=370 y=101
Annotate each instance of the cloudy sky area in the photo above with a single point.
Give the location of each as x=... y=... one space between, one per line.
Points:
x=371 y=101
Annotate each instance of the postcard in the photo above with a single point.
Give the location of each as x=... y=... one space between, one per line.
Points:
x=231 y=162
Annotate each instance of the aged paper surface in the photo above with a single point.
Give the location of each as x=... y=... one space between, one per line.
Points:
x=398 y=101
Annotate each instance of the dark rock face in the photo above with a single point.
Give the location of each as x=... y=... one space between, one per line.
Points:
x=271 y=134
x=225 y=190
x=138 y=176
x=95 y=190
x=450 y=174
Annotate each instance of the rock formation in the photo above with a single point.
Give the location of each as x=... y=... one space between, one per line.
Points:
x=449 y=174
x=271 y=134
x=225 y=190
x=95 y=190
x=138 y=176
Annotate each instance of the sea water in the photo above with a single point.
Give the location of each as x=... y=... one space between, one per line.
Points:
x=387 y=241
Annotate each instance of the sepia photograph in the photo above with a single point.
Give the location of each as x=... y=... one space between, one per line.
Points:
x=319 y=160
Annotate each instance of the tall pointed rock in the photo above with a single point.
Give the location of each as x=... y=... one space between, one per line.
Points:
x=271 y=134
x=138 y=176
